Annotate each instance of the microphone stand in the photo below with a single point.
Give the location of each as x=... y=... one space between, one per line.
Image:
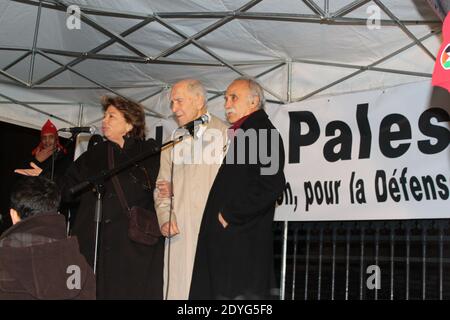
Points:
x=60 y=153
x=98 y=181
x=57 y=153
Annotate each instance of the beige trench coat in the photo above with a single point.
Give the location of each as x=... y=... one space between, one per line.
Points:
x=194 y=171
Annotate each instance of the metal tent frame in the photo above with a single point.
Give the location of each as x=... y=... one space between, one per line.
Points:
x=320 y=15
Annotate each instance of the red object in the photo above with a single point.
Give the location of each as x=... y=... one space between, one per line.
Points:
x=49 y=128
x=441 y=73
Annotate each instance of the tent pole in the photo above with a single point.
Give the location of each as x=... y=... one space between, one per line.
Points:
x=314 y=7
x=220 y=93
x=207 y=30
x=80 y=123
x=93 y=81
x=97 y=11
x=217 y=57
x=12 y=64
x=80 y=115
x=82 y=87
x=365 y=68
x=283 y=262
x=11 y=77
x=83 y=56
x=95 y=50
x=34 y=109
x=404 y=28
x=349 y=8
x=153 y=94
x=289 y=80
x=43 y=103
x=368 y=68
x=86 y=19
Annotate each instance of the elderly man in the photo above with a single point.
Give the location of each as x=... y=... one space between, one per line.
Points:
x=194 y=163
x=234 y=258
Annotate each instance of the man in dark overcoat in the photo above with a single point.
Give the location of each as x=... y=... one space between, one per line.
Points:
x=234 y=258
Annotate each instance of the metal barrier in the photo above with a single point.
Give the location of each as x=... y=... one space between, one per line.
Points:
x=342 y=260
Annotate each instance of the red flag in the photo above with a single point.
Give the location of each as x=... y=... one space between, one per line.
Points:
x=441 y=73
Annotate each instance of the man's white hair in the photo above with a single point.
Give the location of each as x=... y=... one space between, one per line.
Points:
x=195 y=87
x=255 y=90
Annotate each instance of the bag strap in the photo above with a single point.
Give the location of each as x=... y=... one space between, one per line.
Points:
x=115 y=180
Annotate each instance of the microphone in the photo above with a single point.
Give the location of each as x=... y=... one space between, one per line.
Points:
x=76 y=130
x=204 y=118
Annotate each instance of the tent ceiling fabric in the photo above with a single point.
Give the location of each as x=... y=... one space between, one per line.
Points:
x=297 y=49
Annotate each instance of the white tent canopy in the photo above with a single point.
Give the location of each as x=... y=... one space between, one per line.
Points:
x=297 y=49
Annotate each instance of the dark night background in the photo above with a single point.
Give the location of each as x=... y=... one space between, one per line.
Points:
x=17 y=143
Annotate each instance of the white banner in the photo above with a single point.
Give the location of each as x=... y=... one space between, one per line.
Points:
x=373 y=155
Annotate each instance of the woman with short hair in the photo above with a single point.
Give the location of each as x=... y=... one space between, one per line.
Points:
x=126 y=269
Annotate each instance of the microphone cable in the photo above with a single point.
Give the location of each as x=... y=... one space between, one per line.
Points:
x=170 y=220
